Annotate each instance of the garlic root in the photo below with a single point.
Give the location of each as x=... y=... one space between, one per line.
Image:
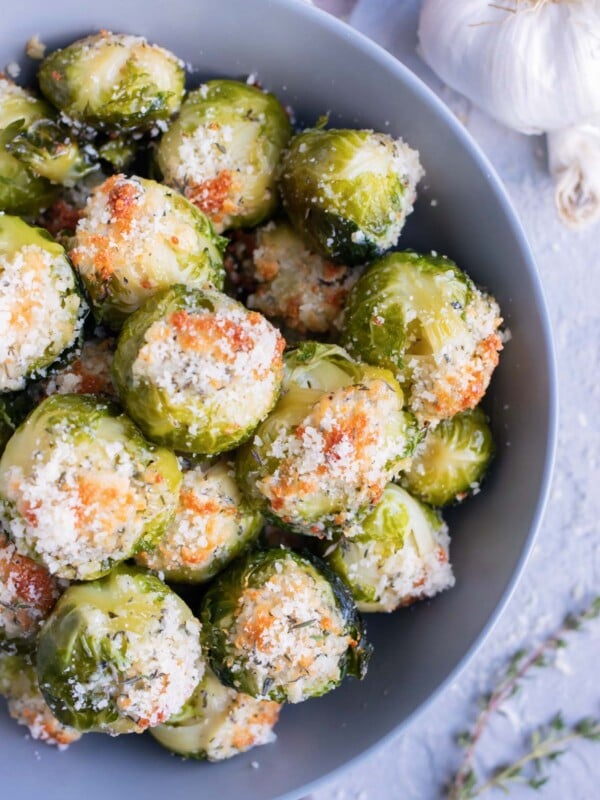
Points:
x=574 y=161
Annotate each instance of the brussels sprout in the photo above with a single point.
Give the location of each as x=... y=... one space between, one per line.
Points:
x=119 y=151
x=81 y=489
x=217 y=723
x=26 y=704
x=450 y=463
x=21 y=192
x=119 y=654
x=292 y=284
x=348 y=192
x=137 y=237
x=332 y=443
x=40 y=304
x=223 y=149
x=424 y=319
x=87 y=373
x=280 y=625
x=397 y=554
x=211 y=527
x=198 y=371
x=113 y=81
x=27 y=594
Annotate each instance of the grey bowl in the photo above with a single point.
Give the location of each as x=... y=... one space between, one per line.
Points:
x=317 y=64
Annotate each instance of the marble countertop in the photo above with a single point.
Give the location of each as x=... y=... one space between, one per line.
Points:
x=564 y=570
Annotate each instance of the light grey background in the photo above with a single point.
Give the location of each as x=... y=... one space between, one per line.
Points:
x=565 y=566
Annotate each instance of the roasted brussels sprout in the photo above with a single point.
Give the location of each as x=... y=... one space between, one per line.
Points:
x=198 y=371
x=280 y=625
x=425 y=319
x=27 y=594
x=137 y=237
x=21 y=192
x=119 y=654
x=81 y=489
x=223 y=149
x=113 y=81
x=332 y=443
x=50 y=151
x=348 y=192
x=292 y=284
x=87 y=373
x=217 y=723
x=450 y=463
x=26 y=704
x=40 y=305
x=397 y=554
x=212 y=526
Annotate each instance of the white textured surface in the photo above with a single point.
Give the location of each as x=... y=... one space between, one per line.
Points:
x=564 y=570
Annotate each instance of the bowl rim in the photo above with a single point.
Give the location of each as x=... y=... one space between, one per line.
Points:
x=376 y=52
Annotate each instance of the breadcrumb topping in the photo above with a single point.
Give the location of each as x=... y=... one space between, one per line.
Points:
x=40 y=313
x=342 y=451
x=290 y=633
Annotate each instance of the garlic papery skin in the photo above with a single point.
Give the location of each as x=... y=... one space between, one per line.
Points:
x=534 y=65
x=574 y=161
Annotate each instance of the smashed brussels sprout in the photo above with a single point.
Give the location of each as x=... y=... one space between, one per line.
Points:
x=197 y=371
x=217 y=723
x=292 y=284
x=21 y=191
x=136 y=237
x=113 y=81
x=451 y=461
x=397 y=554
x=212 y=526
x=26 y=704
x=119 y=654
x=280 y=625
x=348 y=192
x=40 y=304
x=425 y=319
x=81 y=489
x=27 y=594
x=336 y=437
x=223 y=149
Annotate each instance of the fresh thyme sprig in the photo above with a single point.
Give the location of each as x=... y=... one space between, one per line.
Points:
x=545 y=742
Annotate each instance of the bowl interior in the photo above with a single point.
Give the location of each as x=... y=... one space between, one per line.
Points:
x=317 y=65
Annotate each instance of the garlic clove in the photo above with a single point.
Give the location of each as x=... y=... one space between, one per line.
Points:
x=574 y=161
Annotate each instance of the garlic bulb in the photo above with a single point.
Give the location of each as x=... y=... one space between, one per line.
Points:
x=574 y=159
x=532 y=64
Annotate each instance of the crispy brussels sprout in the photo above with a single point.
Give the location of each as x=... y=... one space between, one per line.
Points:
x=120 y=654
x=87 y=373
x=198 y=371
x=450 y=463
x=348 y=192
x=41 y=308
x=26 y=704
x=212 y=526
x=424 y=319
x=292 y=284
x=27 y=594
x=137 y=237
x=223 y=149
x=113 y=81
x=280 y=625
x=81 y=489
x=397 y=554
x=332 y=443
x=217 y=723
x=21 y=192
